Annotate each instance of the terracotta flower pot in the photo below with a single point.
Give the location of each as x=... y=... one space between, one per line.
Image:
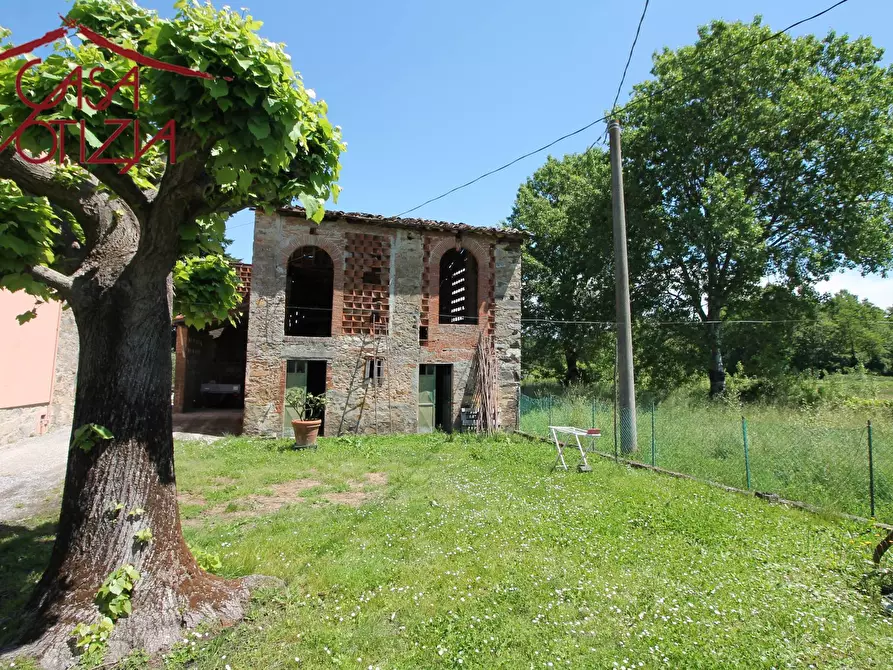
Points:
x=306 y=432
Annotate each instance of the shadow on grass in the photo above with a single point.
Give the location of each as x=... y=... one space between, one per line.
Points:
x=24 y=553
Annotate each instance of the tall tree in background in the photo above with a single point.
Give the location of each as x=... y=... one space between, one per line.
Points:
x=568 y=266
x=106 y=243
x=766 y=338
x=847 y=334
x=769 y=162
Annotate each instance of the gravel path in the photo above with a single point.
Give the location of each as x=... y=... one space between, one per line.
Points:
x=31 y=475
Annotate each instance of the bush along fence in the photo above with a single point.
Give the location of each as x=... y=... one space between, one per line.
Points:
x=833 y=461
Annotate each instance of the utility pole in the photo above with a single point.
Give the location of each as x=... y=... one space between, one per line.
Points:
x=626 y=389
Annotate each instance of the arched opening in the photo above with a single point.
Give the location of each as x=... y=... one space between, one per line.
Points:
x=458 y=287
x=308 y=293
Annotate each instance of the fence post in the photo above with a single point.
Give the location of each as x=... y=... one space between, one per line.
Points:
x=616 y=452
x=550 y=412
x=870 y=471
x=652 y=433
x=592 y=408
x=746 y=454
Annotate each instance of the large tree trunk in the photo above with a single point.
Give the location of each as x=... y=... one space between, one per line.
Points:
x=124 y=384
x=571 y=370
x=716 y=370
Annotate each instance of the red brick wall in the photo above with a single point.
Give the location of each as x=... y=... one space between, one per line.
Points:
x=364 y=252
x=454 y=342
x=243 y=273
x=424 y=317
x=491 y=290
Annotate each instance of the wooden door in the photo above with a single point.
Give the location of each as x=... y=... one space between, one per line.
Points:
x=427 y=397
x=295 y=377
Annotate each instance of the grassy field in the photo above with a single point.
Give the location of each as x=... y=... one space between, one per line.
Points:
x=818 y=456
x=426 y=552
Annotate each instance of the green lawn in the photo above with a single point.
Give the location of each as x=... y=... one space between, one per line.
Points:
x=424 y=552
x=817 y=456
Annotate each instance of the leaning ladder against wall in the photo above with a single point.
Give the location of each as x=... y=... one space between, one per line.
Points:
x=486 y=390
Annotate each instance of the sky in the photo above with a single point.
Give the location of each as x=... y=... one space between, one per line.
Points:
x=433 y=94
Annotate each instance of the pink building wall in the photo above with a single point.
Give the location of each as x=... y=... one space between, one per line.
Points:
x=27 y=351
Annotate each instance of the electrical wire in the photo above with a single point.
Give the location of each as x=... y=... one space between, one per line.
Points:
x=630 y=57
x=629 y=105
x=503 y=167
x=692 y=322
x=583 y=322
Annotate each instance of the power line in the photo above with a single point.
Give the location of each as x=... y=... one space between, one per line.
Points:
x=649 y=322
x=633 y=103
x=696 y=322
x=630 y=57
x=503 y=167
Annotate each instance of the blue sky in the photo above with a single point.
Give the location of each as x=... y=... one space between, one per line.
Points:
x=431 y=94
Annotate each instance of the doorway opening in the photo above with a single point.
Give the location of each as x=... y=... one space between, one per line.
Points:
x=435 y=398
x=308 y=375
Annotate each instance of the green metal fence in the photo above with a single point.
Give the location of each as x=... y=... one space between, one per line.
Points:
x=837 y=462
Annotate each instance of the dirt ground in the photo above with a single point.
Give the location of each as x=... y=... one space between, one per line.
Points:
x=283 y=494
x=31 y=475
x=32 y=470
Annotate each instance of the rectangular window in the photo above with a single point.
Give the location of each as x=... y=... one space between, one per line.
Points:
x=295 y=367
x=374 y=367
x=372 y=276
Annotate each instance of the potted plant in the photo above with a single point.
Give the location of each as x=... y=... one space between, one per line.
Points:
x=308 y=408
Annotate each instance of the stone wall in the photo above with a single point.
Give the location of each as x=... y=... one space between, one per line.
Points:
x=65 y=382
x=17 y=423
x=405 y=299
x=507 y=331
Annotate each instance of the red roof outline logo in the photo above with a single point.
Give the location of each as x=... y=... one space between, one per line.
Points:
x=166 y=133
x=101 y=41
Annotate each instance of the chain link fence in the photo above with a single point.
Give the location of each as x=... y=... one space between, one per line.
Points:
x=834 y=461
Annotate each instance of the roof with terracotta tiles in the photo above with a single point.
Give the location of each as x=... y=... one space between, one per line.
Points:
x=403 y=222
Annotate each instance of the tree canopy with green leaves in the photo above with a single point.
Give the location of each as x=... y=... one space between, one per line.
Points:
x=106 y=241
x=772 y=161
x=568 y=268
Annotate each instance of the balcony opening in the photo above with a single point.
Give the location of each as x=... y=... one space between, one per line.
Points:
x=309 y=287
x=458 y=288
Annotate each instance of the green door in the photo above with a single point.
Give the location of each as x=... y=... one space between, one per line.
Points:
x=295 y=377
x=427 y=397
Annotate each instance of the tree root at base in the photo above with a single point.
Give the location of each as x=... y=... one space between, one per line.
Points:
x=159 y=620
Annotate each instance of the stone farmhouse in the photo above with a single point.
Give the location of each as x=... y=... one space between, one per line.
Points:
x=407 y=325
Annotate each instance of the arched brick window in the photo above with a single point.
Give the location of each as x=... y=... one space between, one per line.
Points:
x=458 y=287
x=309 y=287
